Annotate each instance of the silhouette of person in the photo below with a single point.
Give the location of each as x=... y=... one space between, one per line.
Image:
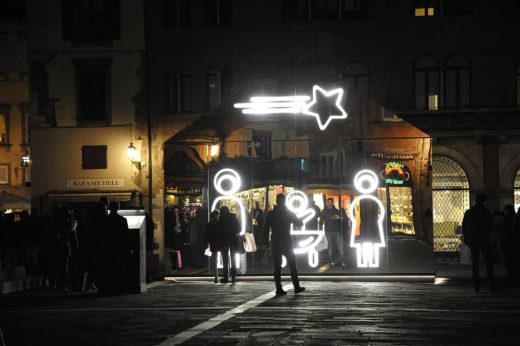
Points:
x=228 y=230
x=116 y=248
x=331 y=218
x=476 y=227
x=279 y=221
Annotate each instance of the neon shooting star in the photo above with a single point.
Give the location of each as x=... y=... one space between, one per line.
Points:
x=319 y=107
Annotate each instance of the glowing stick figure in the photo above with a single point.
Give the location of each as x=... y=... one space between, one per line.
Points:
x=367 y=249
x=234 y=185
x=297 y=202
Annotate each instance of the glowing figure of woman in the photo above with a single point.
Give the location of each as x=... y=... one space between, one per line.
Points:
x=367 y=212
x=233 y=186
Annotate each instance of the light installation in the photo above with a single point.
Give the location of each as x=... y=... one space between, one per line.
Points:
x=306 y=240
x=234 y=182
x=300 y=105
x=367 y=252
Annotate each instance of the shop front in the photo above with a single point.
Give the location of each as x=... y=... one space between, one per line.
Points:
x=381 y=220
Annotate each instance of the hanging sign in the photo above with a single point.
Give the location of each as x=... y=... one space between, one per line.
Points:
x=319 y=107
x=396 y=174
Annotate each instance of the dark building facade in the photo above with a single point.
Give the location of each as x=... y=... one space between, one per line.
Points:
x=431 y=92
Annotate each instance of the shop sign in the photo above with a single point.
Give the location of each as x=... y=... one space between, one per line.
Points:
x=301 y=104
x=184 y=191
x=388 y=156
x=396 y=174
x=95 y=183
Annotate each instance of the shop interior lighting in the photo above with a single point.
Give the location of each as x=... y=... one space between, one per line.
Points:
x=367 y=253
x=297 y=105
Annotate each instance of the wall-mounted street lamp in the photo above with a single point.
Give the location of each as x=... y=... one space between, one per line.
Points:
x=134 y=156
x=214 y=151
x=26 y=159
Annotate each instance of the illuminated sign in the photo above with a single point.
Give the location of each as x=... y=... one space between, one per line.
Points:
x=317 y=107
x=306 y=239
x=234 y=182
x=395 y=173
x=367 y=251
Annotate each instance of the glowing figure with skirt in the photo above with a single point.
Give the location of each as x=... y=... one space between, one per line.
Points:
x=367 y=212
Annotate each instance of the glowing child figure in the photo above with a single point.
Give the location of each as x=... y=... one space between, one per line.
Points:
x=234 y=183
x=306 y=240
x=367 y=212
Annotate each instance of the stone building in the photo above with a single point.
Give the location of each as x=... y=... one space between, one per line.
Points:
x=15 y=175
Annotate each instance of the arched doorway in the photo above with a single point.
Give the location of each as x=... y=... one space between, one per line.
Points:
x=450 y=192
x=517 y=189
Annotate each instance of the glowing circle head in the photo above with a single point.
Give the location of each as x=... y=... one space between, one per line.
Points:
x=297 y=201
x=233 y=179
x=364 y=178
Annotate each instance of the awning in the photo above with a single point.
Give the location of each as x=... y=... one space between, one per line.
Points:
x=90 y=195
x=10 y=201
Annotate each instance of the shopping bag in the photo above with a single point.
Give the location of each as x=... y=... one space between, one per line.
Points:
x=207 y=252
x=249 y=242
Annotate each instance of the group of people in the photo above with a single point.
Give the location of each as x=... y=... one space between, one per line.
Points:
x=88 y=250
x=477 y=228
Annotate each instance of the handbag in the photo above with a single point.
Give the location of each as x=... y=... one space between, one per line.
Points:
x=207 y=252
x=249 y=242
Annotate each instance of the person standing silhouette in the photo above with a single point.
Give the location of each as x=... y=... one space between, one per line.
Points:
x=476 y=227
x=279 y=221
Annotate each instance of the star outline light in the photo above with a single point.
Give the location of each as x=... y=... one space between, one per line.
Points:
x=327 y=94
x=298 y=104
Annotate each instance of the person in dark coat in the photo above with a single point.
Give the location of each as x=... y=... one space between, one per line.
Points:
x=116 y=251
x=95 y=229
x=508 y=244
x=211 y=239
x=476 y=227
x=228 y=230
x=331 y=218
x=279 y=222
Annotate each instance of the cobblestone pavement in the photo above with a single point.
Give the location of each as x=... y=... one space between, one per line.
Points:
x=326 y=313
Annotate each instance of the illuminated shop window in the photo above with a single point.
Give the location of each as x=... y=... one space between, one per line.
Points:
x=426 y=84
x=426 y=8
x=457 y=81
x=450 y=192
x=517 y=190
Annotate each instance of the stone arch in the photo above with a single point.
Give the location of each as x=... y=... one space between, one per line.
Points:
x=468 y=166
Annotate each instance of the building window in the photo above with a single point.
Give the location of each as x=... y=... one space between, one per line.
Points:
x=457 y=7
x=173 y=92
x=217 y=12
x=517 y=190
x=186 y=91
x=518 y=87
x=13 y=55
x=261 y=145
x=177 y=13
x=327 y=163
x=225 y=84
x=295 y=10
x=457 y=82
x=324 y=9
x=426 y=8
x=94 y=157
x=219 y=87
x=426 y=84
x=450 y=195
x=4 y=128
x=90 y=20
x=354 y=9
x=4 y=174
x=93 y=90
x=355 y=75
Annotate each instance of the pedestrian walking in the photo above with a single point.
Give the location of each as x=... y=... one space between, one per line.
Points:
x=228 y=228
x=279 y=222
x=507 y=244
x=476 y=227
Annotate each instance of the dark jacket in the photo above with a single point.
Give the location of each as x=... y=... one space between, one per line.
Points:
x=211 y=235
x=228 y=229
x=331 y=218
x=279 y=221
x=477 y=225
